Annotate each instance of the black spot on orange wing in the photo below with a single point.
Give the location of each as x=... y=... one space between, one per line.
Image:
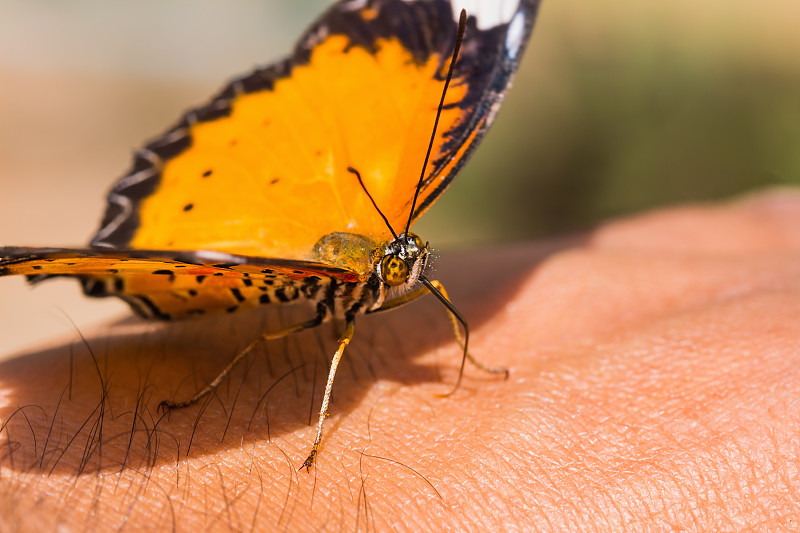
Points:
x=165 y=272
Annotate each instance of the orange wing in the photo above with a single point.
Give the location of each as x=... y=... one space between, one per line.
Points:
x=176 y=285
x=262 y=169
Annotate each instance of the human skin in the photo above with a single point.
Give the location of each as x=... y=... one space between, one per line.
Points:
x=654 y=378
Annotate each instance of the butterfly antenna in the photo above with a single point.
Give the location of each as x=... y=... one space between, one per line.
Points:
x=462 y=25
x=371 y=199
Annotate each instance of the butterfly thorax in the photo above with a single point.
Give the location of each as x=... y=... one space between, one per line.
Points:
x=352 y=251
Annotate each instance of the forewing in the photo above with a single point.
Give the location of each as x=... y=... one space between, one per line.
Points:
x=261 y=170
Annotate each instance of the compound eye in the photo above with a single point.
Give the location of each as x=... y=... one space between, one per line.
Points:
x=417 y=241
x=394 y=270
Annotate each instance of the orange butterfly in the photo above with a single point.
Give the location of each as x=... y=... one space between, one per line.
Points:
x=300 y=181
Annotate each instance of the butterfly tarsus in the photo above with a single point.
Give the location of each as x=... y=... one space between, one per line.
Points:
x=344 y=340
x=166 y=406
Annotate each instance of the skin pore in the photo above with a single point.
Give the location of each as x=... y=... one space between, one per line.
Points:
x=655 y=371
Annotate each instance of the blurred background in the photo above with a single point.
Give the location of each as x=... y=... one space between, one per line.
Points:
x=619 y=106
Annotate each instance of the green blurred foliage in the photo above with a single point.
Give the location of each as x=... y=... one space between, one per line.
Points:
x=620 y=115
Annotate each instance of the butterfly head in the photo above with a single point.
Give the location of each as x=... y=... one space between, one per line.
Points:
x=403 y=260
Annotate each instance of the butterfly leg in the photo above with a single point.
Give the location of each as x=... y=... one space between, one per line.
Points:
x=167 y=405
x=455 y=319
x=344 y=340
x=459 y=338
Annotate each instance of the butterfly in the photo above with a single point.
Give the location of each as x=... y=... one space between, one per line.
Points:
x=300 y=180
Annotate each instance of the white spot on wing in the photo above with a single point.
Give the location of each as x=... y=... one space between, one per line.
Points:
x=516 y=30
x=212 y=256
x=355 y=5
x=487 y=13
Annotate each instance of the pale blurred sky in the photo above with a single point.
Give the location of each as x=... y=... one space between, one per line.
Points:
x=157 y=39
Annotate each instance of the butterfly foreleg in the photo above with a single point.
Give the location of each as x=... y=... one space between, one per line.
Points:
x=167 y=405
x=455 y=319
x=344 y=340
